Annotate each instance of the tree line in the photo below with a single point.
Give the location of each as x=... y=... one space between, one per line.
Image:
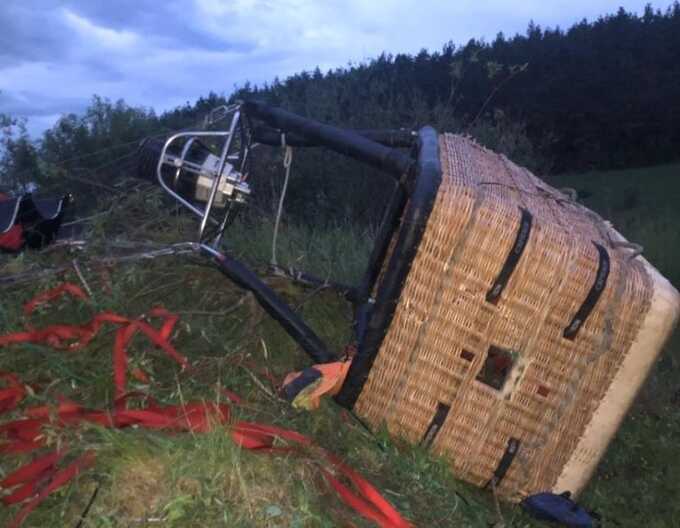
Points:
x=602 y=94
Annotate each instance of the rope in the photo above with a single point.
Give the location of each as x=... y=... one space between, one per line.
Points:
x=570 y=193
x=218 y=114
x=174 y=249
x=287 y=162
x=30 y=484
x=81 y=277
x=532 y=453
x=570 y=196
x=637 y=249
x=62 y=162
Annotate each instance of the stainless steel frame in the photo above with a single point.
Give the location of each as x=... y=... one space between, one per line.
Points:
x=181 y=163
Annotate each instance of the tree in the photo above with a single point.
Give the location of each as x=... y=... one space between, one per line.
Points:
x=19 y=161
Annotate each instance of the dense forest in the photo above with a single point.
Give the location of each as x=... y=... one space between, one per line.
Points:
x=602 y=94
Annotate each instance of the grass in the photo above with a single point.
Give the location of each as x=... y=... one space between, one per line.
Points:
x=642 y=204
x=147 y=478
x=636 y=484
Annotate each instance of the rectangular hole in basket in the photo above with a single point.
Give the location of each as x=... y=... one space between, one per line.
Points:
x=496 y=368
x=543 y=391
x=467 y=355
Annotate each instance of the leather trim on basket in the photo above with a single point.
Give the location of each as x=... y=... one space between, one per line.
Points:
x=506 y=461
x=523 y=234
x=593 y=296
x=435 y=425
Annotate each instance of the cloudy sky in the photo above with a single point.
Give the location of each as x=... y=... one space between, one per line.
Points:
x=55 y=54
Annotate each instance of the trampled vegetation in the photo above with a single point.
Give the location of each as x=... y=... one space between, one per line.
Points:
x=153 y=478
x=574 y=103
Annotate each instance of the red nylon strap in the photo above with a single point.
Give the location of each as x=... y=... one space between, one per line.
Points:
x=27 y=490
x=197 y=417
x=12 y=394
x=26 y=433
x=31 y=471
x=75 y=337
x=368 y=502
x=140 y=375
x=38 y=479
x=232 y=397
x=364 y=507
x=57 y=479
x=54 y=293
x=380 y=509
x=13 y=239
x=123 y=337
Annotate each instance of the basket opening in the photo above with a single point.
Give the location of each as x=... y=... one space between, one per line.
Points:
x=497 y=366
x=543 y=391
x=467 y=355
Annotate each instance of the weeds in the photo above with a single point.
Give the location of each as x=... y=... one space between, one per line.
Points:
x=148 y=478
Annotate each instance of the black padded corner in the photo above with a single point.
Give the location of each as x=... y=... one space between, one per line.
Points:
x=39 y=218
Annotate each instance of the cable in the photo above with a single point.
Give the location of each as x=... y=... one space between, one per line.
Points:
x=287 y=162
x=108 y=163
x=62 y=162
x=106 y=149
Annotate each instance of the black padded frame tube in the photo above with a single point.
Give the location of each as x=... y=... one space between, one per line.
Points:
x=406 y=216
x=274 y=306
x=386 y=137
x=346 y=142
x=307 y=279
x=413 y=225
x=388 y=226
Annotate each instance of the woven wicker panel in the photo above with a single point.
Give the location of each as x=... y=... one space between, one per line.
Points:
x=444 y=326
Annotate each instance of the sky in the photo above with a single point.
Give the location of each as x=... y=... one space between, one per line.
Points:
x=55 y=54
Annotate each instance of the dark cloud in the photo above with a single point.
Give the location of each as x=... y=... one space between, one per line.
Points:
x=172 y=22
x=28 y=34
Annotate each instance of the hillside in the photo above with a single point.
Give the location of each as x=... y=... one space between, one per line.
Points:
x=600 y=94
x=145 y=477
x=642 y=204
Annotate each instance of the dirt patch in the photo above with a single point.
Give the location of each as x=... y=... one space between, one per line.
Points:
x=140 y=487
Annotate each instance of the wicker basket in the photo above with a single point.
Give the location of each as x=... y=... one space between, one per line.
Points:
x=524 y=329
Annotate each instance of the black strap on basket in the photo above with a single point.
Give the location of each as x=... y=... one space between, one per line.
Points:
x=599 y=284
x=506 y=461
x=435 y=425
x=523 y=232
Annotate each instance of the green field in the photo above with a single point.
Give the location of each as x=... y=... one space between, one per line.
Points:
x=147 y=478
x=643 y=204
x=636 y=483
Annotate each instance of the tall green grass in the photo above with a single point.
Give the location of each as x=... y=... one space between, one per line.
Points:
x=148 y=478
x=338 y=253
x=637 y=484
x=643 y=204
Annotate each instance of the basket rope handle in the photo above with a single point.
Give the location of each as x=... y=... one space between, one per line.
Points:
x=637 y=249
